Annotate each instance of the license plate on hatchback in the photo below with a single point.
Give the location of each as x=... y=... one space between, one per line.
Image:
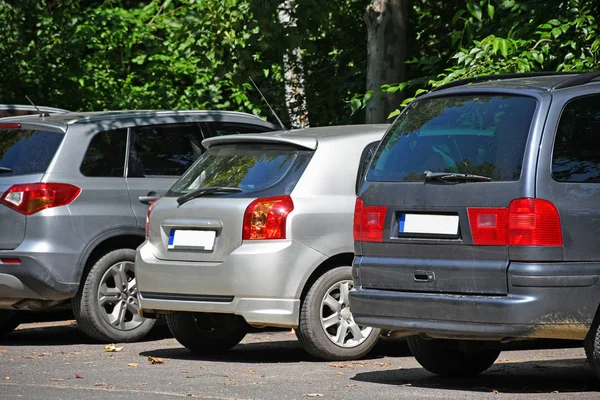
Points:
x=191 y=239
x=428 y=224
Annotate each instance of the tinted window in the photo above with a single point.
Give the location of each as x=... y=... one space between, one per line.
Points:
x=25 y=152
x=576 y=156
x=482 y=135
x=105 y=156
x=164 y=149
x=249 y=167
x=365 y=159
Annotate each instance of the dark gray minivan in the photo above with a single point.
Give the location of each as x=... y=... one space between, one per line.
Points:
x=479 y=219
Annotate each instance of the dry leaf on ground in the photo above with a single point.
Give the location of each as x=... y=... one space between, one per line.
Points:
x=155 y=360
x=314 y=395
x=79 y=376
x=132 y=365
x=111 y=348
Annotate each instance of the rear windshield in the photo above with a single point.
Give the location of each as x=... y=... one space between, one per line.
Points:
x=24 y=152
x=251 y=168
x=482 y=135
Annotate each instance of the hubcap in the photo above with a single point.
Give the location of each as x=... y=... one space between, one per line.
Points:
x=118 y=297
x=337 y=320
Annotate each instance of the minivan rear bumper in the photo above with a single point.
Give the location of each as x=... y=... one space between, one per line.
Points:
x=545 y=300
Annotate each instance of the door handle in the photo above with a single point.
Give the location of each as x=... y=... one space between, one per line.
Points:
x=149 y=198
x=424 y=276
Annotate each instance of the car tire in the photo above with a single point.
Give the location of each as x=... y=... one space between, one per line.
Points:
x=106 y=305
x=591 y=344
x=207 y=333
x=9 y=321
x=325 y=316
x=455 y=358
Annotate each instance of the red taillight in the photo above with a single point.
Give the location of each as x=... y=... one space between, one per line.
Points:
x=31 y=198
x=14 y=261
x=526 y=222
x=148 y=218
x=10 y=126
x=265 y=218
x=368 y=222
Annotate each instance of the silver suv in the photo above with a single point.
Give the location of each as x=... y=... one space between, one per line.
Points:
x=74 y=193
x=259 y=232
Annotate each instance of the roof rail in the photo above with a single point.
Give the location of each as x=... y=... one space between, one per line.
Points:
x=484 y=78
x=580 y=79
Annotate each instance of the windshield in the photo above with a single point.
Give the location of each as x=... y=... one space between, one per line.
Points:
x=24 y=152
x=477 y=134
x=250 y=168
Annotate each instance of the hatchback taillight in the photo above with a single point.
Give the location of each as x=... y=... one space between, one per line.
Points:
x=526 y=222
x=34 y=197
x=148 y=218
x=368 y=222
x=265 y=218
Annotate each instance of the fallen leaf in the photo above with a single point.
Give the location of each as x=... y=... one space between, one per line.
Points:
x=143 y=383
x=292 y=332
x=79 y=376
x=351 y=385
x=339 y=373
x=314 y=395
x=111 y=348
x=382 y=364
x=29 y=358
x=132 y=365
x=338 y=365
x=100 y=384
x=3 y=351
x=57 y=379
x=155 y=360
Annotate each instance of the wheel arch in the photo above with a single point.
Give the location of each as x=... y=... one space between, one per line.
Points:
x=129 y=238
x=342 y=259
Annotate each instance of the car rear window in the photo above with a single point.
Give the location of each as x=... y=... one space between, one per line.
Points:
x=249 y=167
x=24 y=152
x=475 y=134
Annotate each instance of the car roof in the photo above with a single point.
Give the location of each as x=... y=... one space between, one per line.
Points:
x=308 y=138
x=10 y=110
x=63 y=120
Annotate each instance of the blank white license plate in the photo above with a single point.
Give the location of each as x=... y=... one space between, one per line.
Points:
x=191 y=239
x=429 y=224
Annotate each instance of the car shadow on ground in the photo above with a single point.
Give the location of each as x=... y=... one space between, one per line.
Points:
x=286 y=350
x=544 y=376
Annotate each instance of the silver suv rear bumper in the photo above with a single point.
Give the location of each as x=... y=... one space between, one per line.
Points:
x=260 y=281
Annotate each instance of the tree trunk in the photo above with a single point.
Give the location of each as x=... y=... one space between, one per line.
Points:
x=295 y=98
x=386 y=43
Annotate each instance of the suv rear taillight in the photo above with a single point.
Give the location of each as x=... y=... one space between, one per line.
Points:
x=148 y=218
x=33 y=197
x=526 y=222
x=368 y=222
x=265 y=218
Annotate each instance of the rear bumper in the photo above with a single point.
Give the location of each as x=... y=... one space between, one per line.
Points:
x=260 y=281
x=557 y=301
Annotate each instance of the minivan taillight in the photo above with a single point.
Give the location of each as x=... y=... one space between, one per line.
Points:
x=265 y=218
x=526 y=222
x=34 y=197
x=368 y=222
x=148 y=218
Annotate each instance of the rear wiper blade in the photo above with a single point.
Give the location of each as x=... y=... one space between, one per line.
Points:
x=205 y=191
x=5 y=169
x=453 y=176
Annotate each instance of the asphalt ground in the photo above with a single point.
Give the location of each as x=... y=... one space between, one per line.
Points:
x=53 y=360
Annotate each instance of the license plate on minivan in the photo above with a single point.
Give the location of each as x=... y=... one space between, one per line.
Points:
x=428 y=224
x=191 y=239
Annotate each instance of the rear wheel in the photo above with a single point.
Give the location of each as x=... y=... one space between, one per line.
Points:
x=207 y=333
x=457 y=358
x=9 y=320
x=106 y=306
x=327 y=328
x=592 y=347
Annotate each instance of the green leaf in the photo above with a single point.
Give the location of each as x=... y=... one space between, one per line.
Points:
x=504 y=48
x=491 y=10
x=355 y=105
x=475 y=10
x=554 y=22
x=394 y=113
x=556 y=32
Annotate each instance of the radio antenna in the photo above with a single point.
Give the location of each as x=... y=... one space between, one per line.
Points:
x=268 y=105
x=42 y=114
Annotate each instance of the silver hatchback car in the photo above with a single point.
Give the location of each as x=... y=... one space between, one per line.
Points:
x=258 y=232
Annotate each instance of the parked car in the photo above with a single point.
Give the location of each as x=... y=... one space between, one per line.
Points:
x=479 y=220
x=258 y=232
x=74 y=193
x=13 y=110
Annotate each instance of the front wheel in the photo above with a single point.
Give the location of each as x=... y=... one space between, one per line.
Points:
x=9 y=320
x=106 y=306
x=327 y=328
x=207 y=333
x=456 y=358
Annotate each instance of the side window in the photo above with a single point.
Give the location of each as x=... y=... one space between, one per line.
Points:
x=105 y=156
x=576 y=155
x=228 y=128
x=365 y=159
x=163 y=149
